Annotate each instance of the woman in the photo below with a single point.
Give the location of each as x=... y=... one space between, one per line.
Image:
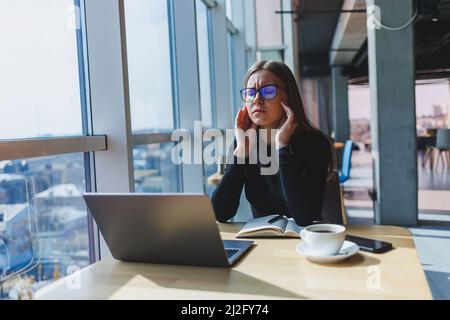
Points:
x=306 y=157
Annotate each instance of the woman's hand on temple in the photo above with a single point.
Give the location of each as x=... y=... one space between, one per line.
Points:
x=244 y=143
x=286 y=127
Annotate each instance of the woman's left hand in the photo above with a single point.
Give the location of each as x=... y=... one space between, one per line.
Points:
x=286 y=127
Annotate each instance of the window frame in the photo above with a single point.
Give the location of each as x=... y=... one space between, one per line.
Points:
x=210 y=39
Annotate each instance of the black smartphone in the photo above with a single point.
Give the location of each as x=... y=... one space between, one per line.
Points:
x=370 y=245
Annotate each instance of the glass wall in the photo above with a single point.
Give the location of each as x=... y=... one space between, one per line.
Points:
x=154 y=170
x=269 y=30
x=204 y=65
x=149 y=65
x=43 y=217
x=432 y=106
x=229 y=9
x=235 y=83
x=39 y=83
x=151 y=93
x=208 y=114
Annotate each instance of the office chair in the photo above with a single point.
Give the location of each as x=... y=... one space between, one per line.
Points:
x=344 y=175
x=443 y=147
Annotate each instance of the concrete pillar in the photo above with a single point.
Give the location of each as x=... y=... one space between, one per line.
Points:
x=250 y=31
x=393 y=123
x=324 y=101
x=448 y=106
x=308 y=91
x=288 y=27
x=341 y=122
x=221 y=79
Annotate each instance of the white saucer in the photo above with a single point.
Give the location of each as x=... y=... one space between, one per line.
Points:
x=347 y=250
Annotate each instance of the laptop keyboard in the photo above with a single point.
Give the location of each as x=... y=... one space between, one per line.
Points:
x=231 y=252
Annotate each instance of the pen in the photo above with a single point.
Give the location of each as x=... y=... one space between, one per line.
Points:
x=278 y=217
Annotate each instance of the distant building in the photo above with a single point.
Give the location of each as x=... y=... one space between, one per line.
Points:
x=360 y=131
x=437 y=111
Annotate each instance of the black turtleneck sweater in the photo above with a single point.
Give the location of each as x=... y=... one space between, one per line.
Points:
x=296 y=190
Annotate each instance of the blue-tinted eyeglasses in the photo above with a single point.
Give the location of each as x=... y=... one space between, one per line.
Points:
x=267 y=93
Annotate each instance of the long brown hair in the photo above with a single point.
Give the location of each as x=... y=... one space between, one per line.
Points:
x=295 y=102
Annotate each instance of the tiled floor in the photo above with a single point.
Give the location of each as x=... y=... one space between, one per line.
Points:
x=431 y=237
x=433 y=242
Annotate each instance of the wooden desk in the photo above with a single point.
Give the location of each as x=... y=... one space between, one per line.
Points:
x=271 y=270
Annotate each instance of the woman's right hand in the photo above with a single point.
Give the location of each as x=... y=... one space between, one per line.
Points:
x=244 y=143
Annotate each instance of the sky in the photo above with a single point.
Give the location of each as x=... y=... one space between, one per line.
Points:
x=427 y=95
x=148 y=51
x=39 y=80
x=39 y=90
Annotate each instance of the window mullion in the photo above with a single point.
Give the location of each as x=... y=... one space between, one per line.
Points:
x=188 y=83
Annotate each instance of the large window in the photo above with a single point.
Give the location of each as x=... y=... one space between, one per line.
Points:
x=43 y=217
x=269 y=30
x=235 y=83
x=229 y=9
x=152 y=107
x=149 y=65
x=204 y=61
x=432 y=110
x=154 y=170
x=203 y=16
x=432 y=106
x=39 y=84
x=268 y=23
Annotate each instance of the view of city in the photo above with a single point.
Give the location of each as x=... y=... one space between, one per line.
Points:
x=44 y=230
x=43 y=217
x=438 y=119
x=431 y=111
x=154 y=170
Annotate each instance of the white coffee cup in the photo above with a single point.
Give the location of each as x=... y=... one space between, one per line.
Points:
x=324 y=239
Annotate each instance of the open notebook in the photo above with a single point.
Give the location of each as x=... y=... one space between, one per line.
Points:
x=270 y=226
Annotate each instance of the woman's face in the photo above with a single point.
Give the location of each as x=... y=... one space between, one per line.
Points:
x=265 y=113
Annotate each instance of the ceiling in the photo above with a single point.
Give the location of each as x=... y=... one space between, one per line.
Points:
x=316 y=24
x=319 y=19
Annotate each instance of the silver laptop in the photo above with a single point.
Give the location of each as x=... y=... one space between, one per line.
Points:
x=163 y=228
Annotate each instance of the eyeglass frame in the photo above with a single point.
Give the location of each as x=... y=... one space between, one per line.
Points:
x=259 y=90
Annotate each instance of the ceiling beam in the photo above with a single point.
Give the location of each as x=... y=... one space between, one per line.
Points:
x=351 y=32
